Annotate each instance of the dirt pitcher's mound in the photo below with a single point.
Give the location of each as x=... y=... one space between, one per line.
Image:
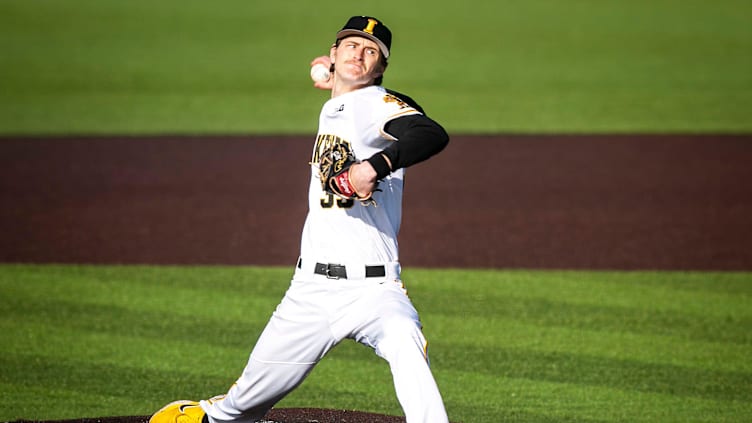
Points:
x=281 y=415
x=306 y=415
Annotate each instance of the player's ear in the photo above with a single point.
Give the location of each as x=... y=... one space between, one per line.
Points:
x=333 y=52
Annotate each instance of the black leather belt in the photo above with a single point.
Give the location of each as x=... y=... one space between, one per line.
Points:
x=338 y=271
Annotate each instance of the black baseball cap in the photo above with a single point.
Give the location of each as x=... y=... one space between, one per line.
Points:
x=368 y=27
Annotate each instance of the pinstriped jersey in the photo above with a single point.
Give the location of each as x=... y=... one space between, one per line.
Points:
x=346 y=231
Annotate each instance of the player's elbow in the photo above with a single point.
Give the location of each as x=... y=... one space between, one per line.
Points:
x=438 y=136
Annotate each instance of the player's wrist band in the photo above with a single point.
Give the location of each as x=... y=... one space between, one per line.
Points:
x=380 y=165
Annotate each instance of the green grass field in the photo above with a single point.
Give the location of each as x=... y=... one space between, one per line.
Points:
x=90 y=66
x=523 y=346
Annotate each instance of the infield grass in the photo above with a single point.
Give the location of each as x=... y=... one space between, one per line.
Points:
x=522 y=346
x=188 y=66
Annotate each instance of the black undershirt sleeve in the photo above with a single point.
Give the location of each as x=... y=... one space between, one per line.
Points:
x=418 y=138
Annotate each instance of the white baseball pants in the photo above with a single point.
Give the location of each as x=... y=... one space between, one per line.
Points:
x=317 y=313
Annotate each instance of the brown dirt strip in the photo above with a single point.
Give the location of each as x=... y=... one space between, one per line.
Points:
x=676 y=202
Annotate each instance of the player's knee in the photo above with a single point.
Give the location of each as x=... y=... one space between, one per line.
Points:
x=401 y=335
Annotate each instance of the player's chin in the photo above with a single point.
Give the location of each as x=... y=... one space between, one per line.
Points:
x=359 y=80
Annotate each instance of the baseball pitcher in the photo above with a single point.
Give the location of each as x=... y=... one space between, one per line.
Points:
x=347 y=281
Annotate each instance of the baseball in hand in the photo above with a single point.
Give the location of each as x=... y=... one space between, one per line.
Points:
x=319 y=73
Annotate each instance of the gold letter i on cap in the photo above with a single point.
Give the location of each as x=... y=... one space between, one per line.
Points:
x=371 y=23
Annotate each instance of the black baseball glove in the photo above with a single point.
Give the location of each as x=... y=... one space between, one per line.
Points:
x=334 y=172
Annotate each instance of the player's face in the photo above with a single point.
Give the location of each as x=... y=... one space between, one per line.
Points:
x=357 y=60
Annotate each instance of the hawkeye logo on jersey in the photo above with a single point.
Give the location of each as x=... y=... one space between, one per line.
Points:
x=390 y=98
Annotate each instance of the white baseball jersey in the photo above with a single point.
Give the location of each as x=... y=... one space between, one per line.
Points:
x=346 y=231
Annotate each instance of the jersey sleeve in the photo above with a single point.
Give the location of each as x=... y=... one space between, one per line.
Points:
x=416 y=137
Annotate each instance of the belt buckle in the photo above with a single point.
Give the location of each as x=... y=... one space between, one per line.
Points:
x=327 y=271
